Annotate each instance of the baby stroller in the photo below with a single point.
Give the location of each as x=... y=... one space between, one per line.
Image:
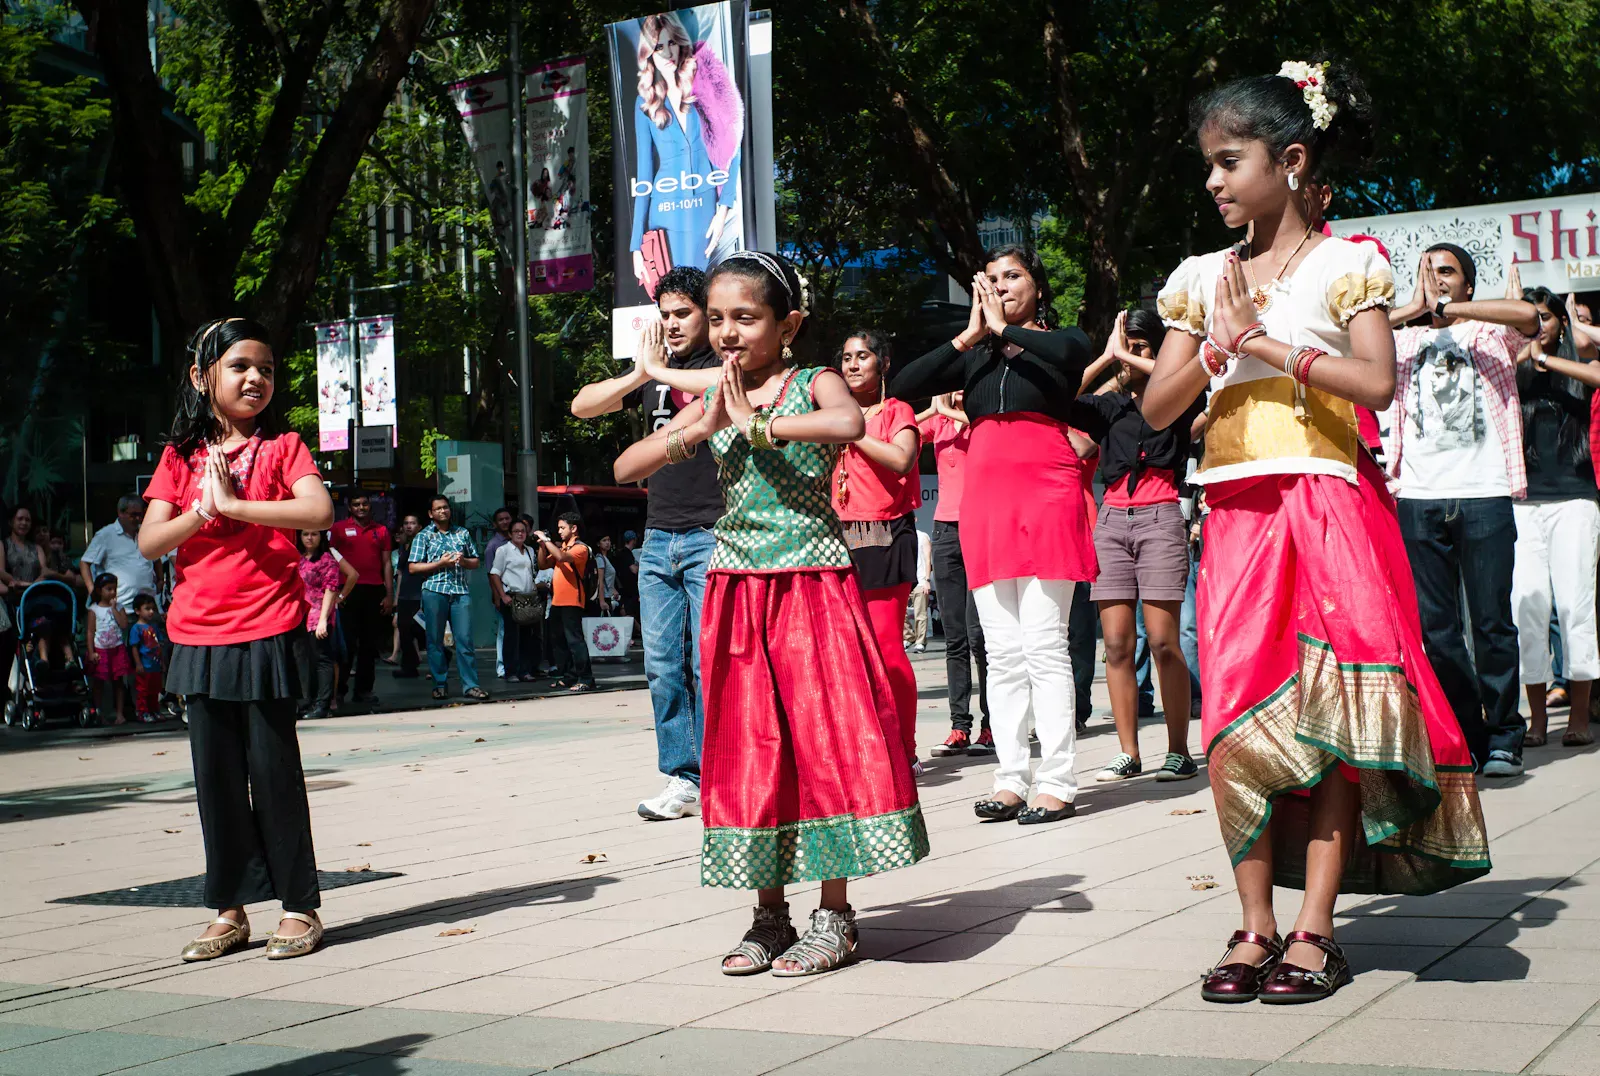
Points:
x=45 y=683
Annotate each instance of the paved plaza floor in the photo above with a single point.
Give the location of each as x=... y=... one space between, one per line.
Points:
x=538 y=924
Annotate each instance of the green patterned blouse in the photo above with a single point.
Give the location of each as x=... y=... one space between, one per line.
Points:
x=778 y=511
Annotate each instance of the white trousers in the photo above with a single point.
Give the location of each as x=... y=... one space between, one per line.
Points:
x=1030 y=675
x=1558 y=544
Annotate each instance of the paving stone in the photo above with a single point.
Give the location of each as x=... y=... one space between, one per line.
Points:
x=374 y=1030
x=1224 y=1031
x=815 y=1013
x=875 y=1057
x=919 y=979
x=101 y=1009
x=233 y=1019
x=709 y=1050
x=534 y=1040
x=1514 y=1003
x=646 y=1003
x=93 y=1053
x=507 y=995
x=1577 y=1054
x=1512 y=965
x=1041 y=1025
x=1305 y=1068
x=1079 y=1063
x=423 y=1066
x=1469 y=1044
x=240 y=1059
x=15 y=1035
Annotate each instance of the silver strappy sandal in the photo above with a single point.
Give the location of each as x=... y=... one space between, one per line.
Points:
x=770 y=934
x=829 y=943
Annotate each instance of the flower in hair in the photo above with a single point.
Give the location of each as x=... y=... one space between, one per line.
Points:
x=1313 y=82
x=805 y=293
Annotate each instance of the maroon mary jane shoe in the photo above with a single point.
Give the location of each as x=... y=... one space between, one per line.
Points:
x=1291 y=984
x=1233 y=983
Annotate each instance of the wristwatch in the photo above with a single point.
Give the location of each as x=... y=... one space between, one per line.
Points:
x=1439 y=305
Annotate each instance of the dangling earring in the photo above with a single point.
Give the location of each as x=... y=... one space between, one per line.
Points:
x=788 y=356
x=1294 y=182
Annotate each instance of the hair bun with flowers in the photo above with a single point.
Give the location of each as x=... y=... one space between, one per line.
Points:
x=1313 y=82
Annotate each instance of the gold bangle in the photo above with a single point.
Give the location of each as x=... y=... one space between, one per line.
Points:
x=675 y=452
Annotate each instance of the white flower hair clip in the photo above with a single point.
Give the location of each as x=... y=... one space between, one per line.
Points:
x=805 y=293
x=1312 y=80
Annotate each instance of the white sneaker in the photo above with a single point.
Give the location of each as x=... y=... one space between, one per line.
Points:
x=679 y=798
x=916 y=769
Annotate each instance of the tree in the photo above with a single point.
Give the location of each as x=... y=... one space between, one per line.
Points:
x=302 y=88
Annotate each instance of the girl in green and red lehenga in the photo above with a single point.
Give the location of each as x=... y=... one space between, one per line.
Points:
x=804 y=777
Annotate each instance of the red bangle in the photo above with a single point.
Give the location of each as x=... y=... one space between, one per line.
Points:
x=1305 y=366
x=1238 y=340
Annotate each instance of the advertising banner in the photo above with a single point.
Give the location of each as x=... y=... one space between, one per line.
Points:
x=485 y=118
x=334 y=397
x=1553 y=242
x=683 y=150
x=560 y=257
x=377 y=371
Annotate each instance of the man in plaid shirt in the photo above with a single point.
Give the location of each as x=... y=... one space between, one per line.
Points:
x=444 y=555
x=1457 y=454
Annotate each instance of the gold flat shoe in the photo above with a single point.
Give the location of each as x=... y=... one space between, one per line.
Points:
x=281 y=948
x=211 y=948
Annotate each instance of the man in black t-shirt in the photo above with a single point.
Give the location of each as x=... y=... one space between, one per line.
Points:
x=625 y=557
x=684 y=502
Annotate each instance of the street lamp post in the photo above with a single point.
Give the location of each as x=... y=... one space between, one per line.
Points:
x=527 y=456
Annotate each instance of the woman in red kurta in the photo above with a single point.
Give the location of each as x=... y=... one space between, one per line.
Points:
x=876 y=492
x=229 y=495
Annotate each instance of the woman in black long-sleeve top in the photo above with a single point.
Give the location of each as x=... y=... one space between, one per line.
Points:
x=1026 y=518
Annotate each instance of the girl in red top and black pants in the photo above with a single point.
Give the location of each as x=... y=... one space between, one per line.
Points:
x=1025 y=529
x=229 y=495
x=876 y=492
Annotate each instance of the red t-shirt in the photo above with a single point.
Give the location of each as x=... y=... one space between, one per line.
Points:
x=236 y=582
x=875 y=492
x=949 y=440
x=366 y=548
x=1156 y=486
x=1087 y=466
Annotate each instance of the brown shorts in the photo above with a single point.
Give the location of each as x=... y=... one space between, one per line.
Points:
x=1143 y=554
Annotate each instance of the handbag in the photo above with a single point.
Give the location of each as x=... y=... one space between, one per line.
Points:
x=526 y=608
x=657 y=258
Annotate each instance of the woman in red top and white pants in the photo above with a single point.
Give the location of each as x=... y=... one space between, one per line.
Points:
x=229 y=495
x=876 y=492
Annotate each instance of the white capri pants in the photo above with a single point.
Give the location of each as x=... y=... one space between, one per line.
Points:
x=1030 y=674
x=1558 y=543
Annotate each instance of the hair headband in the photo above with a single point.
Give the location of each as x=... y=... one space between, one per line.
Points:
x=771 y=265
x=200 y=344
x=1312 y=80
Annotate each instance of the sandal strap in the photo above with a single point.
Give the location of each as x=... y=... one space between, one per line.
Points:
x=826 y=943
x=1249 y=937
x=302 y=917
x=1327 y=945
x=761 y=943
x=224 y=921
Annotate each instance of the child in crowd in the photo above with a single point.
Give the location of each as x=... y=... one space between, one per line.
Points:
x=107 y=653
x=145 y=638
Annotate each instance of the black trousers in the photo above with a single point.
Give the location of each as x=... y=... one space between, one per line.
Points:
x=1082 y=619
x=327 y=663
x=963 y=635
x=366 y=630
x=571 y=650
x=254 y=819
x=413 y=638
x=1470 y=545
x=520 y=650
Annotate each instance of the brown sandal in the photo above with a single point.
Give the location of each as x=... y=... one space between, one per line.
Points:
x=1231 y=983
x=1576 y=739
x=1290 y=984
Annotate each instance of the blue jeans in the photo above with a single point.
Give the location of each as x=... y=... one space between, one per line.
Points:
x=1188 y=630
x=672 y=586
x=1469 y=542
x=1142 y=664
x=457 y=609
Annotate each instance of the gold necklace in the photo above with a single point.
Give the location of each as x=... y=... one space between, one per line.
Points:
x=1262 y=296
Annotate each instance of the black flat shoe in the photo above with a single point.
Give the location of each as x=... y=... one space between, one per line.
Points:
x=995 y=811
x=1037 y=816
